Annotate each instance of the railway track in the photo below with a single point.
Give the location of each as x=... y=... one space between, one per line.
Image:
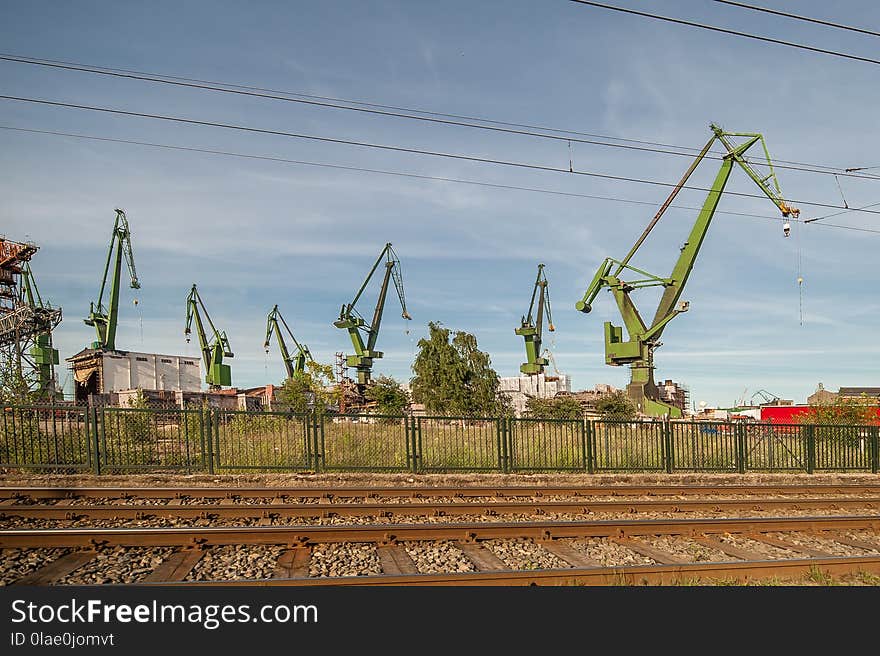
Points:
x=293 y=550
x=577 y=535
x=11 y=493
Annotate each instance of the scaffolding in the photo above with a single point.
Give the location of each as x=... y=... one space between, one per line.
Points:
x=26 y=324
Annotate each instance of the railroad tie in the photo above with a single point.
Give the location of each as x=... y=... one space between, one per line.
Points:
x=861 y=544
x=58 y=568
x=293 y=563
x=567 y=553
x=658 y=555
x=729 y=549
x=175 y=567
x=791 y=546
x=395 y=560
x=481 y=557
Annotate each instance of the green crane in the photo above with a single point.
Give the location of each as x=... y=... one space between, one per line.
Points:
x=638 y=350
x=351 y=320
x=294 y=365
x=105 y=319
x=43 y=355
x=531 y=329
x=213 y=351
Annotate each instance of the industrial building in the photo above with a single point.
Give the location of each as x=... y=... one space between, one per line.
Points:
x=97 y=371
x=541 y=386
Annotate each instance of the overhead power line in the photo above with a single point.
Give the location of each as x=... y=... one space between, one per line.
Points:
x=713 y=28
x=405 y=174
x=808 y=19
x=401 y=149
x=334 y=103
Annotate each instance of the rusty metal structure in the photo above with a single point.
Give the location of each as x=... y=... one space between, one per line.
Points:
x=27 y=357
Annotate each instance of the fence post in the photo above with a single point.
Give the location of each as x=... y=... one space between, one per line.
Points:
x=811 y=448
x=503 y=452
x=875 y=449
x=317 y=441
x=208 y=420
x=92 y=429
x=740 y=432
x=667 y=441
x=585 y=453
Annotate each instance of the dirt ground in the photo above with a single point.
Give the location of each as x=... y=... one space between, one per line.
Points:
x=16 y=479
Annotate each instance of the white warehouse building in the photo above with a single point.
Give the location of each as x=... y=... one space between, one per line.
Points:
x=103 y=372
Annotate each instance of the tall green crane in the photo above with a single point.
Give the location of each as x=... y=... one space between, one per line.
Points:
x=351 y=320
x=297 y=364
x=43 y=355
x=531 y=329
x=104 y=319
x=213 y=349
x=638 y=350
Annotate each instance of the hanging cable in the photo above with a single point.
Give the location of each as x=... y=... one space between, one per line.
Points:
x=418 y=176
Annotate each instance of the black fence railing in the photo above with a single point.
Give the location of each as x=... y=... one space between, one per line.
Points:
x=122 y=440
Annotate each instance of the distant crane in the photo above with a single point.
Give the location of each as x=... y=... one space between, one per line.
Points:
x=351 y=320
x=213 y=348
x=768 y=397
x=638 y=350
x=531 y=329
x=104 y=319
x=296 y=364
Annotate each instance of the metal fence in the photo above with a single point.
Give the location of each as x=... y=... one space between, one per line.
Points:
x=66 y=439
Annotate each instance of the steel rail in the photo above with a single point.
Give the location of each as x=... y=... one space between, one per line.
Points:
x=499 y=491
x=287 y=510
x=299 y=535
x=619 y=575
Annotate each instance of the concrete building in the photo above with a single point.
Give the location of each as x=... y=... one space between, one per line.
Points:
x=542 y=386
x=97 y=371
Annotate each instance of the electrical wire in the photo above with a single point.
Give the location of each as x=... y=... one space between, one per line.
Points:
x=402 y=149
x=322 y=101
x=808 y=19
x=417 y=176
x=713 y=28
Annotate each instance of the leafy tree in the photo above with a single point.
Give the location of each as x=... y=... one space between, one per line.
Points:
x=14 y=386
x=308 y=390
x=390 y=397
x=616 y=405
x=558 y=407
x=453 y=377
x=843 y=410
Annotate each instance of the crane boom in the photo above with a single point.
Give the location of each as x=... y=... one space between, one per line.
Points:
x=351 y=320
x=213 y=348
x=105 y=319
x=294 y=365
x=638 y=350
x=532 y=329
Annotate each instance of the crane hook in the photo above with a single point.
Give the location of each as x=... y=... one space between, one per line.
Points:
x=786 y=228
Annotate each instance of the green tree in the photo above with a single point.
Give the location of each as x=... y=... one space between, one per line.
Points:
x=309 y=390
x=843 y=410
x=558 y=407
x=453 y=377
x=616 y=405
x=389 y=396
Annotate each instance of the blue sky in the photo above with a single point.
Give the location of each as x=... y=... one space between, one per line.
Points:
x=254 y=233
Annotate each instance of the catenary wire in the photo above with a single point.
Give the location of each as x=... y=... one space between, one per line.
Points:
x=713 y=28
x=807 y=19
x=522 y=129
x=402 y=149
x=405 y=174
